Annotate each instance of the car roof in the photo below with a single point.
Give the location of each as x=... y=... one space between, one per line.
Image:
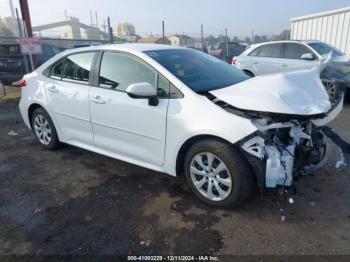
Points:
x=138 y=47
x=286 y=41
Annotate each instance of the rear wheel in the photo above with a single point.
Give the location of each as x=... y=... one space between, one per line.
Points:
x=44 y=129
x=218 y=174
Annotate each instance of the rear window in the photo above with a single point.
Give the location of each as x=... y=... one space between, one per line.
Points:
x=273 y=50
x=57 y=69
x=77 y=67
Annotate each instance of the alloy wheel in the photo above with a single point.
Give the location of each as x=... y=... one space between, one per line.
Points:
x=42 y=129
x=210 y=176
x=331 y=90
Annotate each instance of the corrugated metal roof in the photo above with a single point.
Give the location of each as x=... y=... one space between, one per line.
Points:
x=331 y=12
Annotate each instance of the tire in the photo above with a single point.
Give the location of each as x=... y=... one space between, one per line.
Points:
x=238 y=170
x=44 y=129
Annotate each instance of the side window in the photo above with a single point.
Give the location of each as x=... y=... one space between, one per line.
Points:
x=56 y=69
x=175 y=93
x=272 y=50
x=295 y=51
x=167 y=90
x=77 y=67
x=255 y=52
x=118 y=71
x=163 y=86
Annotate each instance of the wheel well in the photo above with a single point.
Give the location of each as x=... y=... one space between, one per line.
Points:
x=186 y=146
x=248 y=72
x=31 y=111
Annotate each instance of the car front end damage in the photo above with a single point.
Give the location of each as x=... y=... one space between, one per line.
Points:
x=289 y=141
x=279 y=152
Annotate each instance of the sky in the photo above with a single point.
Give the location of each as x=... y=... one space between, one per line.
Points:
x=240 y=17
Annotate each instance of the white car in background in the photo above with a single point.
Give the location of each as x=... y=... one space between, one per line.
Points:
x=278 y=57
x=289 y=56
x=180 y=111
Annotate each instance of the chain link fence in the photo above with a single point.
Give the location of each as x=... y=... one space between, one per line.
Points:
x=13 y=64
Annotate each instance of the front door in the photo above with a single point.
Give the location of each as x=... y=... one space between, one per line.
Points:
x=128 y=127
x=292 y=61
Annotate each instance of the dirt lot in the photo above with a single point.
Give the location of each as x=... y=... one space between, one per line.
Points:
x=76 y=202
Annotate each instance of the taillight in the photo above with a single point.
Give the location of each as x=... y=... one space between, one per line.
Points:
x=22 y=83
x=234 y=60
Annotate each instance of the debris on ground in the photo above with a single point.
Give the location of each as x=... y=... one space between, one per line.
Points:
x=342 y=161
x=12 y=133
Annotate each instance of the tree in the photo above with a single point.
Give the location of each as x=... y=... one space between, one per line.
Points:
x=5 y=32
x=211 y=40
x=235 y=39
x=285 y=35
x=248 y=40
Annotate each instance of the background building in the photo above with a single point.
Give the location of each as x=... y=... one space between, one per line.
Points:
x=155 y=40
x=332 y=27
x=125 y=29
x=181 y=40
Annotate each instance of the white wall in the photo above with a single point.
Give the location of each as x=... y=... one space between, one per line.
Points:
x=332 y=27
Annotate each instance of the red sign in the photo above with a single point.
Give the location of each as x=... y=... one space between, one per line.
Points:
x=31 y=45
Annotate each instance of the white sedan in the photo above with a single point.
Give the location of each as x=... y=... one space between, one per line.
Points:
x=181 y=112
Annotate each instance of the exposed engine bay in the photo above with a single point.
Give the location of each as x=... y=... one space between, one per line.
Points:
x=286 y=150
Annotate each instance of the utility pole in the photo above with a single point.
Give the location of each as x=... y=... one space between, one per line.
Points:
x=26 y=16
x=96 y=19
x=91 y=23
x=21 y=35
x=252 y=36
x=226 y=40
x=163 y=33
x=202 y=37
x=110 y=30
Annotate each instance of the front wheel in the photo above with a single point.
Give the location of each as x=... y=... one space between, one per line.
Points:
x=218 y=174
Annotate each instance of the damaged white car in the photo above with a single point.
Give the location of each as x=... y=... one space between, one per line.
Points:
x=180 y=111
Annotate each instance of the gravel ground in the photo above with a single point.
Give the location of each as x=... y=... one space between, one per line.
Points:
x=74 y=202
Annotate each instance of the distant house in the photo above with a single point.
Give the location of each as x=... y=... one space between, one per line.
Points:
x=154 y=40
x=181 y=40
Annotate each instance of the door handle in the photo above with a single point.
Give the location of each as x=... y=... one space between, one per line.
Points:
x=255 y=63
x=284 y=65
x=52 y=89
x=98 y=100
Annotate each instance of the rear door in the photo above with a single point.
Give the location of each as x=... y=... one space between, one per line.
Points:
x=68 y=96
x=267 y=60
x=292 y=61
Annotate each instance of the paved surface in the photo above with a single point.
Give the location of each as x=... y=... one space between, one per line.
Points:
x=76 y=202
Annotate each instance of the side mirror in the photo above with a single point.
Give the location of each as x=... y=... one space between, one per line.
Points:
x=308 y=56
x=143 y=91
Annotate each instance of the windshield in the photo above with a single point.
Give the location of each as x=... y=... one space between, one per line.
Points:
x=199 y=71
x=324 y=49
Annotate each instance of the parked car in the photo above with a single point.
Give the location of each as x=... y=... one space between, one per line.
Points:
x=12 y=64
x=233 y=49
x=12 y=67
x=288 y=56
x=182 y=112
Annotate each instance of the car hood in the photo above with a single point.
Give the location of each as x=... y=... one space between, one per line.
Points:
x=297 y=93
